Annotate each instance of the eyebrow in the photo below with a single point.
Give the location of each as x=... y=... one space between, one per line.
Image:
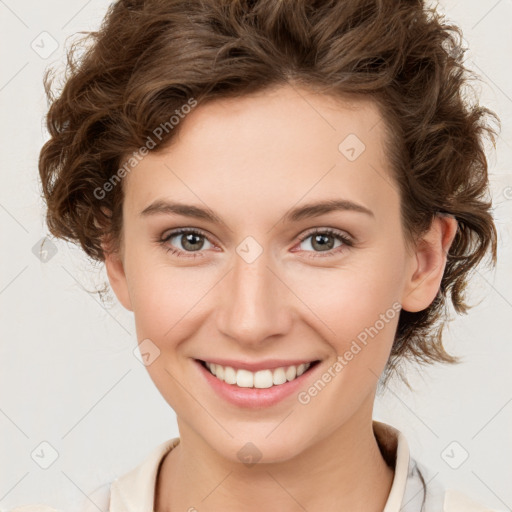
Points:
x=302 y=212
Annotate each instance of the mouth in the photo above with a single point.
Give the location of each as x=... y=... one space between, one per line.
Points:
x=261 y=379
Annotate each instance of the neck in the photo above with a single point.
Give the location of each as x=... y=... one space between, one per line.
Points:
x=333 y=474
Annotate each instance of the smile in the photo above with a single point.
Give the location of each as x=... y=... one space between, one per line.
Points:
x=260 y=379
x=256 y=385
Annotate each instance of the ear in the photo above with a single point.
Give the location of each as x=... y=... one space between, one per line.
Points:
x=427 y=264
x=116 y=275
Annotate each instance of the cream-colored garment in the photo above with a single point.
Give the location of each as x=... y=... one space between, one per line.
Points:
x=135 y=490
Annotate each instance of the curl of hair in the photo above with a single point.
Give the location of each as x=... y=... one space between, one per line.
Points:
x=149 y=57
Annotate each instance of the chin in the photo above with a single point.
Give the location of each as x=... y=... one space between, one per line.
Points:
x=249 y=450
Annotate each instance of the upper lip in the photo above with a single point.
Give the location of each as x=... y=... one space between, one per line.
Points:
x=267 y=364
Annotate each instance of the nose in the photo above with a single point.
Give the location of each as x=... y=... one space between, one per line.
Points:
x=253 y=303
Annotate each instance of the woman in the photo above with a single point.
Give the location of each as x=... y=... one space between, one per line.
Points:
x=286 y=195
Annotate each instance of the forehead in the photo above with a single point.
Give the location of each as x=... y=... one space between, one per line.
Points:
x=277 y=147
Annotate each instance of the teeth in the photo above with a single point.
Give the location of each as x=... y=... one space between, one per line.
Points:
x=244 y=379
x=260 y=379
x=263 y=379
x=301 y=369
x=291 y=372
x=279 y=376
x=229 y=375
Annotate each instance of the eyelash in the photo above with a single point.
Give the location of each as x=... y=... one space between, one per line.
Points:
x=347 y=242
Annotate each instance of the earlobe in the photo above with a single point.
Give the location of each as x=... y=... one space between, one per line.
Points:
x=117 y=277
x=428 y=264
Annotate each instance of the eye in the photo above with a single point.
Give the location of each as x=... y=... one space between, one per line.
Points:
x=190 y=239
x=324 y=241
x=192 y=242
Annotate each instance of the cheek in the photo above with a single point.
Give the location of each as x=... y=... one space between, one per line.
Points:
x=165 y=298
x=353 y=296
x=357 y=308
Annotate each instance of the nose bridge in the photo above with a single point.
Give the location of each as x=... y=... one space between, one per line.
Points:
x=252 y=306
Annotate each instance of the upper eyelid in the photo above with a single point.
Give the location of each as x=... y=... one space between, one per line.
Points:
x=331 y=231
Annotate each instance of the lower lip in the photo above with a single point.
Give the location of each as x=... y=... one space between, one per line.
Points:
x=254 y=398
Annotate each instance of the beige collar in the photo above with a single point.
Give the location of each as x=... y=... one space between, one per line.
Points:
x=135 y=491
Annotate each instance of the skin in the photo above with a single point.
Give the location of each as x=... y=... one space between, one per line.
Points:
x=250 y=160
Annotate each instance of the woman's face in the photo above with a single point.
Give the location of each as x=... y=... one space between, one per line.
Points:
x=258 y=287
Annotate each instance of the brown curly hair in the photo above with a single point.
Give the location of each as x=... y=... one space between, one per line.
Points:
x=150 y=57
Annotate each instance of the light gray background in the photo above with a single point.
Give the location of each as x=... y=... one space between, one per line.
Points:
x=68 y=375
